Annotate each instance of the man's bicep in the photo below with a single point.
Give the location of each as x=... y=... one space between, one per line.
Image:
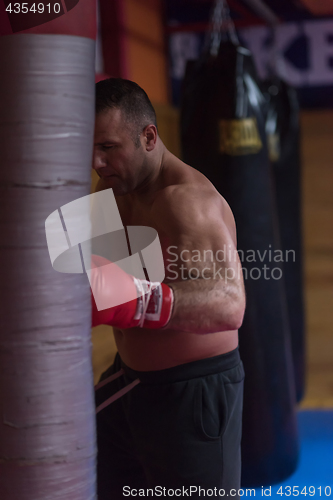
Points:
x=223 y=246
x=204 y=242
x=198 y=223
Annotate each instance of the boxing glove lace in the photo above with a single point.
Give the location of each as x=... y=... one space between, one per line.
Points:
x=151 y=304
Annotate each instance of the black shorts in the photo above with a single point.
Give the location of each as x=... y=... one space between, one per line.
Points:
x=178 y=429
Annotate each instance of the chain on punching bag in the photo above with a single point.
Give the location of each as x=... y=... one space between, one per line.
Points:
x=282 y=127
x=223 y=136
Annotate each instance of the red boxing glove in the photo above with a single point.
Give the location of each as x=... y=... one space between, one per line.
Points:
x=140 y=302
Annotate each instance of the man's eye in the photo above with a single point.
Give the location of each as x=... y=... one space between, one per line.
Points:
x=108 y=147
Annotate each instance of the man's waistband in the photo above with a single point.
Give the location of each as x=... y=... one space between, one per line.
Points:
x=186 y=371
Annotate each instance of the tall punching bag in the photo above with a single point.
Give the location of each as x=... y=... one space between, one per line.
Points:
x=47 y=425
x=223 y=136
x=283 y=134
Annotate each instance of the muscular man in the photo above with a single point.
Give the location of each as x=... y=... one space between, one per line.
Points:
x=180 y=428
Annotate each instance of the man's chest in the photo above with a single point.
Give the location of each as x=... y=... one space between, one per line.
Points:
x=135 y=214
x=141 y=215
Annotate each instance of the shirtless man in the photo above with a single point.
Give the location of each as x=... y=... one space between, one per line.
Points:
x=180 y=428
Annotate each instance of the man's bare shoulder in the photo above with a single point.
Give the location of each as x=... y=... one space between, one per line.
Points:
x=193 y=203
x=188 y=197
x=185 y=187
x=181 y=181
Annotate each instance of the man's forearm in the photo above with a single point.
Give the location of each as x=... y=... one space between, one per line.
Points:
x=207 y=306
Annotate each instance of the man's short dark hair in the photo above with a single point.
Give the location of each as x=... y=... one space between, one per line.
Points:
x=130 y=98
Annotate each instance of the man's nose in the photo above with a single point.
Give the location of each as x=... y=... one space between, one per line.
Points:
x=99 y=161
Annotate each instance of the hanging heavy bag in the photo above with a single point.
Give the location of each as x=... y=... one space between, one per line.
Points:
x=283 y=134
x=47 y=112
x=223 y=136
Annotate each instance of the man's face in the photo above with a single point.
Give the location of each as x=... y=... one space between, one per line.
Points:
x=117 y=160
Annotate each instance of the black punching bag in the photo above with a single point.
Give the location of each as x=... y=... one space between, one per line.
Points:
x=283 y=134
x=223 y=136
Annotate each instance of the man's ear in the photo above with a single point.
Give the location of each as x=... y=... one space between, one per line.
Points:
x=150 y=135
